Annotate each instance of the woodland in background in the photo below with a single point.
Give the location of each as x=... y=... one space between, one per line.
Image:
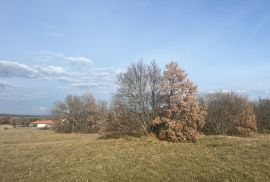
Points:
x=19 y=121
x=149 y=101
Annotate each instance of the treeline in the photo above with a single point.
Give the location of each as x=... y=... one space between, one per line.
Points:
x=161 y=103
x=80 y=114
x=18 y=121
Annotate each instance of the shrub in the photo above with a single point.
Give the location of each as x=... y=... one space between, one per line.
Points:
x=262 y=110
x=119 y=121
x=228 y=114
x=76 y=114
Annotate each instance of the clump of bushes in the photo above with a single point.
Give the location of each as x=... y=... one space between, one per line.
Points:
x=228 y=114
x=78 y=114
x=262 y=110
x=147 y=102
x=119 y=121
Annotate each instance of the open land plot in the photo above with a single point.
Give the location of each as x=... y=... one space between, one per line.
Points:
x=29 y=154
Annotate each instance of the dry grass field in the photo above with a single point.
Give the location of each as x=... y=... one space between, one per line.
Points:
x=38 y=155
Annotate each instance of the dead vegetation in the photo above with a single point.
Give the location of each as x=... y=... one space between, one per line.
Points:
x=165 y=104
x=40 y=155
x=229 y=114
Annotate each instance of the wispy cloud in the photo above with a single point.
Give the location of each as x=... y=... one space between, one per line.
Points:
x=52 y=56
x=93 y=78
x=56 y=34
x=10 y=69
x=4 y=86
x=9 y=92
x=53 y=32
x=51 y=70
x=85 y=85
x=14 y=69
x=41 y=109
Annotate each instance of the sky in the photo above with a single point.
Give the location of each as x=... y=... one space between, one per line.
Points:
x=52 y=48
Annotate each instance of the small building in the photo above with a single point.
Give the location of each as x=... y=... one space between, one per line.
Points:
x=42 y=124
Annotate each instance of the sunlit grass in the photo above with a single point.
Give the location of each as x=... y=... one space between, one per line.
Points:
x=39 y=155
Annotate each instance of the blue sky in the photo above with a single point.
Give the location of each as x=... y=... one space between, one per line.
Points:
x=51 y=48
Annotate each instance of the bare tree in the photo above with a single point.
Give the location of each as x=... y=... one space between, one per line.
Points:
x=154 y=73
x=134 y=93
x=262 y=110
x=229 y=114
x=138 y=92
x=76 y=113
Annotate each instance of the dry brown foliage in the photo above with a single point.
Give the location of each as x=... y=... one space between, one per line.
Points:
x=180 y=115
x=229 y=114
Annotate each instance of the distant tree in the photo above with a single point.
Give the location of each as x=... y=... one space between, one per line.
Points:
x=8 y=120
x=5 y=120
x=76 y=113
x=180 y=114
x=228 y=114
x=24 y=121
x=262 y=110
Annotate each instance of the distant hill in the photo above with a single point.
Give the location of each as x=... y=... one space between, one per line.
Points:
x=26 y=116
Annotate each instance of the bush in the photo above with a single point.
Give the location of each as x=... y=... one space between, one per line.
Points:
x=174 y=131
x=77 y=114
x=262 y=110
x=119 y=122
x=228 y=114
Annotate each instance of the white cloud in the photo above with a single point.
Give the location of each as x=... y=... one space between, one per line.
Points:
x=52 y=56
x=85 y=85
x=9 y=69
x=99 y=78
x=14 y=69
x=51 y=70
x=56 y=34
x=82 y=60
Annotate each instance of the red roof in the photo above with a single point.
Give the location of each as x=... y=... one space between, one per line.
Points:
x=48 y=122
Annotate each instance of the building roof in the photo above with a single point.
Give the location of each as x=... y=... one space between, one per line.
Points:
x=48 y=122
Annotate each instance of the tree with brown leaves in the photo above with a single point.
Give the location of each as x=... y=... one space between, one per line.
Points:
x=181 y=115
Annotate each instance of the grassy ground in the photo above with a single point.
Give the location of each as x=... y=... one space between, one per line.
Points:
x=37 y=155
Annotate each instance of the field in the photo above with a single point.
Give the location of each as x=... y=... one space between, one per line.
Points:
x=28 y=154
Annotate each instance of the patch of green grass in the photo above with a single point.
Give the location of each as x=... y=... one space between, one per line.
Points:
x=38 y=155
